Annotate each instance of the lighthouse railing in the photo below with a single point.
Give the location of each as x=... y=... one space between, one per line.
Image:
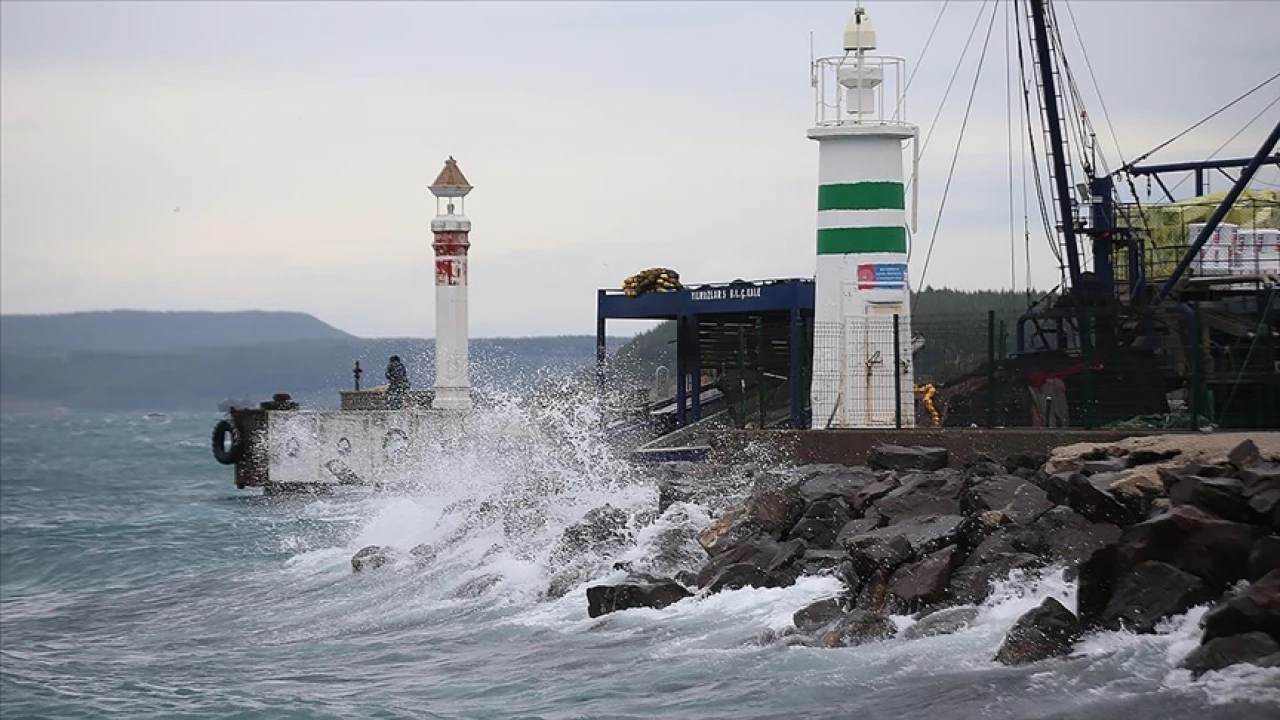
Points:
x=886 y=75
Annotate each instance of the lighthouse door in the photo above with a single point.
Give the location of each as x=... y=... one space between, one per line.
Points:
x=879 y=364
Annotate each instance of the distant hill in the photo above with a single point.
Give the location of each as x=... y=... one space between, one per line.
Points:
x=131 y=360
x=143 y=331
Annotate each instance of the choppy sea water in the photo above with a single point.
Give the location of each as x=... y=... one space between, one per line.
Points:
x=136 y=582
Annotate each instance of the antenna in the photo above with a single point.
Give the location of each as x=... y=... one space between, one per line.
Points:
x=813 y=67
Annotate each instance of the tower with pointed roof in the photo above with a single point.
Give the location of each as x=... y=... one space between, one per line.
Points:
x=861 y=377
x=451 y=229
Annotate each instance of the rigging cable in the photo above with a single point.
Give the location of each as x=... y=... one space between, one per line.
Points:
x=1097 y=89
x=1204 y=120
x=920 y=57
x=959 y=63
x=973 y=91
x=1008 y=124
x=1230 y=140
x=1035 y=163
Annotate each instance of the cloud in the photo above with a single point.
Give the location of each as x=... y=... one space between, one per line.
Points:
x=298 y=140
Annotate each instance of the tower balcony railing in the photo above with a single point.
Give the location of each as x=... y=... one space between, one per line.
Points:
x=854 y=89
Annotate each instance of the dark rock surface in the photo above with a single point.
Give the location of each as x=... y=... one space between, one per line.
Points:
x=1047 y=631
x=899 y=458
x=1264 y=557
x=604 y=599
x=1150 y=593
x=1222 y=652
x=816 y=615
x=1255 y=609
x=942 y=622
x=858 y=627
x=1017 y=499
x=915 y=586
x=371 y=557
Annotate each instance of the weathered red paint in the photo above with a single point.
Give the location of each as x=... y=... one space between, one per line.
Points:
x=451 y=271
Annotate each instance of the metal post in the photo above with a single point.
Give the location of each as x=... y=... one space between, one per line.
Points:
x=897 y=374
x=795 y=379
x=991 y=368
x=760 y=369
x=682 y=371
x=1054 y=121
x=601 y=351
x=695 y=356
x=1001 y=375
x=742 y=376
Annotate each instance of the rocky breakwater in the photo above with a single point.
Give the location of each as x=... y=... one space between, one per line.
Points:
x=1145 y=533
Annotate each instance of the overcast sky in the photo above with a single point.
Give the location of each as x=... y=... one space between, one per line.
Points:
x=296 y=141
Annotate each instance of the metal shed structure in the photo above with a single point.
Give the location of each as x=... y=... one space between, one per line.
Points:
x=715 y=321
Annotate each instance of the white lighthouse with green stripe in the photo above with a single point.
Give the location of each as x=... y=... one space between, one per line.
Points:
x=862 y=274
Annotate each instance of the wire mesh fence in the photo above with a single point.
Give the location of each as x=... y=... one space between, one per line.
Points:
x=961 y=371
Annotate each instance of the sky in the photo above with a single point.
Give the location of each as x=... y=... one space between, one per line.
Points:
x=257 y=155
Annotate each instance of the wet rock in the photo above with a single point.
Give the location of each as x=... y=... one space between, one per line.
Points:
x=977 y=528
x=771 y=557
x=858 y=627
x=1255 y=609
x=604 y=599
x=872 y=552
x=936 y=493
x=770 y=514
x=1069 y=537
x=1058 y=485
x=1262 y=489
x=1223 y=497
x=1091 y=497
x=983 y=469
x=1017 y=499
x=873 y=492
x=1245 y=455
x=924 y=534
x=371 y=557
x=1095 y=583
x=844 y=483
x=729 y=530
x=1192 y=540
x=858 y=527
x=1105 y=465
x=922 y=583
x=1151 y=592
x=714 y=487
x=1226 y=651
x=900 y=458
x=819 y=562
x=1025 y=461
x=971 y=582
x=1047 y=631
x=941 y=622
x=475 y=587
x=423 y=554
x=600 y=531
x=822 y=522
x=1265 y=557
x=816 y=615
x=740 y=575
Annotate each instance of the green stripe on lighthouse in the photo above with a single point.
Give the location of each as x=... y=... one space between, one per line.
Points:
x=861 y=196
x=847 y=241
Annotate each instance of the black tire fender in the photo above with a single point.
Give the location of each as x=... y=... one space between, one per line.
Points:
x=221 y=453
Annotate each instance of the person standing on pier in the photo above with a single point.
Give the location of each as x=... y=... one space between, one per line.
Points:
x=397 y=383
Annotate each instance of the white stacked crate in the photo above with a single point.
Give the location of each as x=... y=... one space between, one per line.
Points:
x=1219 y=251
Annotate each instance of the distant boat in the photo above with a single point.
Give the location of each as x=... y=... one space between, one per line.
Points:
x=157 y=417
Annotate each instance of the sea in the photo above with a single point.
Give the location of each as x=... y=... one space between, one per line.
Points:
x=137 y=582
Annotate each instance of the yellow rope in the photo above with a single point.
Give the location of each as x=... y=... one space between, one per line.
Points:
x=928 y=392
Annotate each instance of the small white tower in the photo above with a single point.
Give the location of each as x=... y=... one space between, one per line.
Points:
x=451 y=228
x=861 y=280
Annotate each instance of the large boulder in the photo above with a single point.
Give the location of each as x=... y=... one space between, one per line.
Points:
x=741 y=575
x=1222 y=496
x=1047 y=631
x=770 y=513
x=1150 y=593
x=600 y=531
x=900 y=458
x=871 y=493
x=1222 y=652
x=1067 y=536
x=1092 y=497
x=818 y=614
x=603 y=599
x=857 y=628
x=1015 y=498
x=776 y=560
x=936 y=493
x=371 y=557
x=1262 y=490
x=1192 y=540
x=941 y=622
x=1264 y=557
x=971 y=582
x=821 y=522
x=1255 y=609
x=837 y=482
x=920 y=584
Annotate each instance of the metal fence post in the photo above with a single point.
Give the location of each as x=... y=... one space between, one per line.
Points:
x=897 y=373
x=991 y=368
x=760 y=370
x=742 y=377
